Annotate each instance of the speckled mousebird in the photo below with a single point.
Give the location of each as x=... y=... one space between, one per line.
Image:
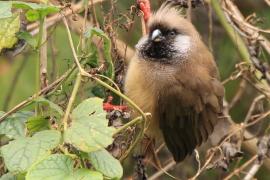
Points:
x=173 y=76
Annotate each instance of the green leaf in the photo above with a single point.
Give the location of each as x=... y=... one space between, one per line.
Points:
x=85 y=174
x=28 y=38
x=89 y=130
x=20 y=154
x=105 y=163
x=107 y=48
x=33 y=15
x=35 y=11
x=59 y=167
x=52 y=105
x=5 y=10
x=54 y=167
x=9 y=27
x=37 y=123
x=98 y=91
x=14 y=125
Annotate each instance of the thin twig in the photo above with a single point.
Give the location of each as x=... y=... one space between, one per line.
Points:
x=248 y=116
x=189 y=11
x=241 y=168
x=71 y=100
x=197 y=156
x=43 y=56
x=130 y=123
x=41 y=92
x=238 y=94
x=164 y=169
x=267 y=2
x=253 y=170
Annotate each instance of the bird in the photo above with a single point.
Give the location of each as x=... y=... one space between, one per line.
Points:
x=174 y=76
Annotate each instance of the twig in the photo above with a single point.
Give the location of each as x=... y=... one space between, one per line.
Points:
x=71 y=100
x=237 y=16
x=238 y=94
x=252 y=107
x=267 y=2
x=164 y=169
x=124 y=51
x=43 y=55
x=241 y=168
x=160 y=147
x=261 y=117
x=197 y=156
x=254 y=169
x=41 y=92
x=252 y=37
x=84 y=25
x=189 y=10
x=129 y=124
x=236 y=39
x=248 y=116
x=75 y=8
x=53 y=58
x=95 y=21
x=204 y=166
x=38 y=71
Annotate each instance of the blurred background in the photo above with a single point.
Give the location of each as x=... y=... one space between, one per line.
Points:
x=17 y=74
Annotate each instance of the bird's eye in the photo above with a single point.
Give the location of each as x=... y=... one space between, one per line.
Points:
x=172 y=33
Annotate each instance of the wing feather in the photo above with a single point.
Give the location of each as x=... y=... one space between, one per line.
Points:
x=186 y=125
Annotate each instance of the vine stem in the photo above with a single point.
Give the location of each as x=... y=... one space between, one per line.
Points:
x=71 y=100
x=40 y=35
x=130 y=123
x=104 y=84
x=84 y=73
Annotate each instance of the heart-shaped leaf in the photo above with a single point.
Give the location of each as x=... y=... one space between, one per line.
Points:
x=21 y=153
x=89 y=130
x=105 y=163
x=14 y=125
x=59 y=167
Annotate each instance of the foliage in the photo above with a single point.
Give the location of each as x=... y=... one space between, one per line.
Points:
x=60 y=133
x=10 y=26
x=38 y=146
x=89 y=130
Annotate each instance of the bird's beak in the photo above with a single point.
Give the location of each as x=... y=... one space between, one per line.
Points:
x=157 y=36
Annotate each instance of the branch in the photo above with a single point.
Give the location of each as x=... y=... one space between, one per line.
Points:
x=71 y=100
x=52 y=20
x=238 y=170
x=163 y=170
x=43 y=56
x=41 y=92
x=254 y=169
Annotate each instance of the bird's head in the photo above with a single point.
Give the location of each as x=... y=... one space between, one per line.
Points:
x=171 y=38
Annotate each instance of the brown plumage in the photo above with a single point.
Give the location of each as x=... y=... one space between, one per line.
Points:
x=174 y=77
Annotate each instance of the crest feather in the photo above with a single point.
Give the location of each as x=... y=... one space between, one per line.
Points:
x=167 y=14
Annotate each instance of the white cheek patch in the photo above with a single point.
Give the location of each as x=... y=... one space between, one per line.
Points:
x=182 y=44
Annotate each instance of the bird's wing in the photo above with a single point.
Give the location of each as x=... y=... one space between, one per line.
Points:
x=187 y=117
